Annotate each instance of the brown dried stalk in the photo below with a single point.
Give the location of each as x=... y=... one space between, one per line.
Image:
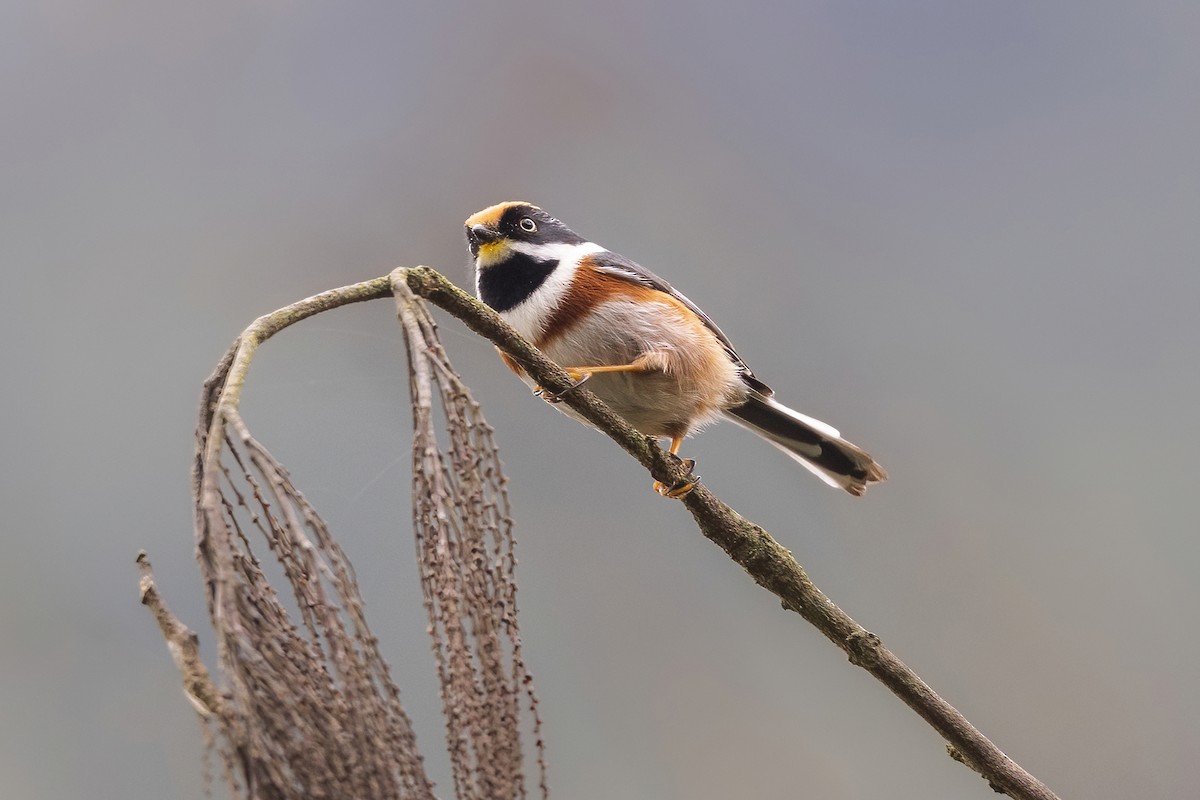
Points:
x=463 y=527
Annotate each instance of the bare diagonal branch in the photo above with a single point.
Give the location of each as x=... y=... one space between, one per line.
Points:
x=770 y=564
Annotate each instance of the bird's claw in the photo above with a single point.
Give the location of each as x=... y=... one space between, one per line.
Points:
x=553 y=398
x=682 y=487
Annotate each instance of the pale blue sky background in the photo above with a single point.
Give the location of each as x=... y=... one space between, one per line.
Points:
x=966 y=234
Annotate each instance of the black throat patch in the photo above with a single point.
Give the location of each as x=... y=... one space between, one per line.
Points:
x=505 y=286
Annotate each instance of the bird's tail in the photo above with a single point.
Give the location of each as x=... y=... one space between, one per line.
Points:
x=819 y=447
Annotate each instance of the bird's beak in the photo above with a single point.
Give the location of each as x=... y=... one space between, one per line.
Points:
x=479 y=235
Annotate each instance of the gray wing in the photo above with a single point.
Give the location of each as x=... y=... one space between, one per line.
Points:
x=620 y=267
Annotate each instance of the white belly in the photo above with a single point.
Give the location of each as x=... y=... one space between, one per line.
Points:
x=699 y=380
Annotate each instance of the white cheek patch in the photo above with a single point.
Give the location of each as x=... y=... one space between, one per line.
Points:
x=557 y=251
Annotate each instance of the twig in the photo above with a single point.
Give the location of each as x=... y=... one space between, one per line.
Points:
x=183 y=644
x=223 y=390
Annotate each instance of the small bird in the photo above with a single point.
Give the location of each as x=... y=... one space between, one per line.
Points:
x=646 y=350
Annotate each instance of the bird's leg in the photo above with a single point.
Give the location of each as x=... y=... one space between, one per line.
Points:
x=580 y=375
x=680 y=489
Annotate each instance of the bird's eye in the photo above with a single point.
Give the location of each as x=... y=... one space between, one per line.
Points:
x=528 y=225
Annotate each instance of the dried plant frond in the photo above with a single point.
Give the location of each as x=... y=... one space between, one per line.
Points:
x=465 y=549
x=303 y=705
x=310 y=709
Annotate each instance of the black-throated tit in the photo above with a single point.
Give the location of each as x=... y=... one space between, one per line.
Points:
x=646 y=350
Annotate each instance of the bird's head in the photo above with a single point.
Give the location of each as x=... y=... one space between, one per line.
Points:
x=497 y=233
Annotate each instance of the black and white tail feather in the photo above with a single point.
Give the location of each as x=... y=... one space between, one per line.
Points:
x=816 y=445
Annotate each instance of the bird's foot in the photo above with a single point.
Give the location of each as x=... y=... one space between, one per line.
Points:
x=577 y=378
x=683 y=487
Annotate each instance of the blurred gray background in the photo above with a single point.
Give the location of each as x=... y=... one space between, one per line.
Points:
x=966 y=234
